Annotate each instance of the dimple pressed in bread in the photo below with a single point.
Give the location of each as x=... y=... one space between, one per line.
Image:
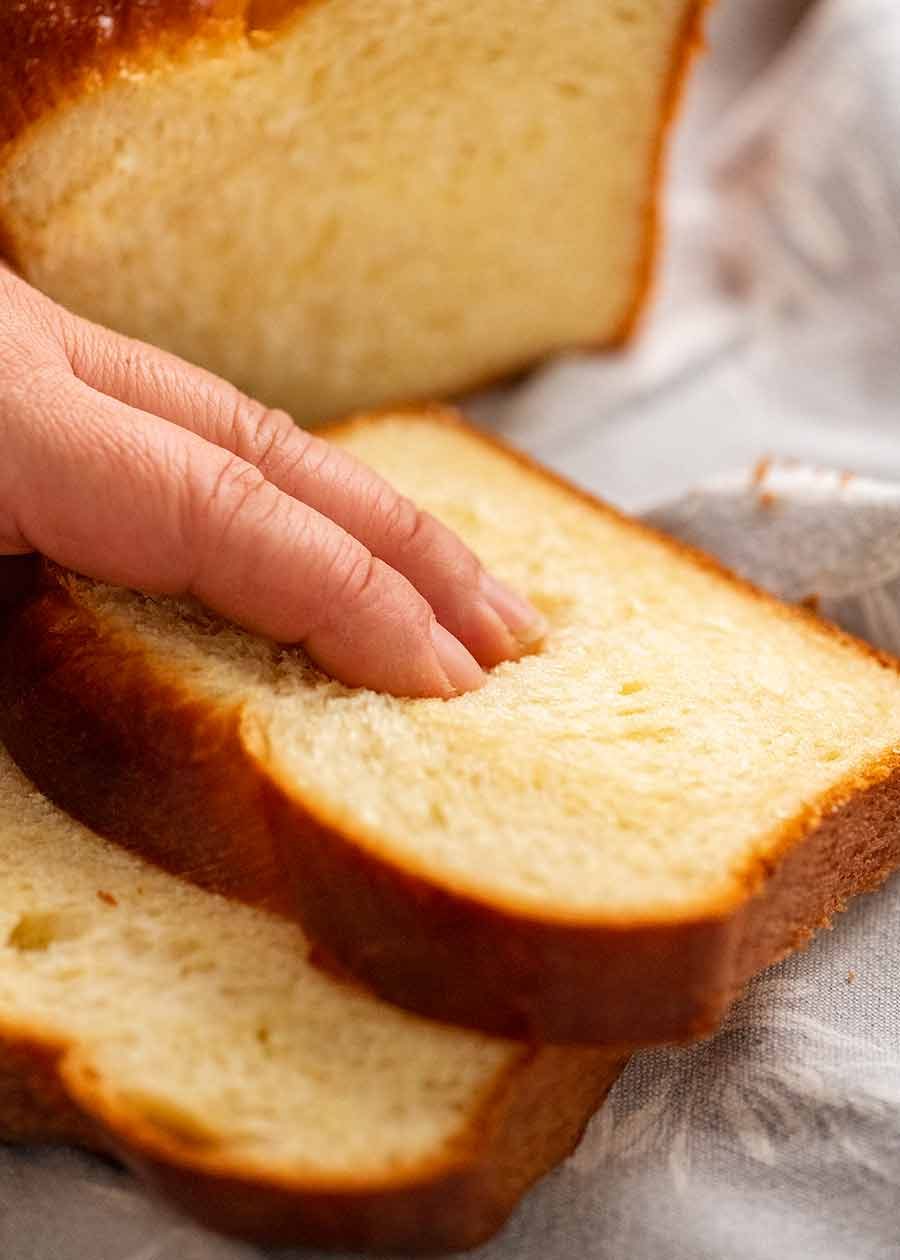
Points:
x=341 y=203
x=191 y=1036
x=601 y=844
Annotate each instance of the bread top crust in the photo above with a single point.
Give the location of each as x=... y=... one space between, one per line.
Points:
x=55 y=48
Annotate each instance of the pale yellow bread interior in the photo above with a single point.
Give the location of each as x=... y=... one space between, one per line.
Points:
x=204 y=1021
x=375 y=200
x=672 y=726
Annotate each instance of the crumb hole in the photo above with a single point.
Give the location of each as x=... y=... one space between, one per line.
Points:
x=41 y=929
x=651 y=733
x=317 y=84
x=631 y=687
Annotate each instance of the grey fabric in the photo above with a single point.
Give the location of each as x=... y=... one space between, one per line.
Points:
x=775 y=333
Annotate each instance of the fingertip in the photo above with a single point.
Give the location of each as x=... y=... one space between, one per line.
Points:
x=495 y=623
x=520 y=618
x=462 y=671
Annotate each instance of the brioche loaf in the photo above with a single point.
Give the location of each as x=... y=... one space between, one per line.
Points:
x=339 y=203
x=143 y=1016
x=602 y=843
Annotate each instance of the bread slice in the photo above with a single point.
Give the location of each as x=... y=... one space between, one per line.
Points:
x=390 y=199
x=601 y=844
x=190 y=1035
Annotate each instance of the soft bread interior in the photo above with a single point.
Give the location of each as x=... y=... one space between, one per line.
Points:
x=204 y=1020
x=636 y=767
x=383 y=198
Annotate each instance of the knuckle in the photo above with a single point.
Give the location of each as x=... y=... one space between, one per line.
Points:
x=95 y=354
x=273 y=430
x=260 y=434
x=415 y=532
x=313 y=454
x=405 y=525
x=448 y=551
x=235 y=487
x=242 y=422
x=354 y=576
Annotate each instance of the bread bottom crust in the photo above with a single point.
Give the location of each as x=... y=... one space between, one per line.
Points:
x=533 y=1118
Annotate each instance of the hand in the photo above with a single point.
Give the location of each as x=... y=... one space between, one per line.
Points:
x=131 y=466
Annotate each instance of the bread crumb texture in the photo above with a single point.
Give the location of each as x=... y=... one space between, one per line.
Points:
x=204 y=1021
x=638 y=766
x=347 y=202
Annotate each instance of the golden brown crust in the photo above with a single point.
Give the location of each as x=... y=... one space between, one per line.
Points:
x=110 y=774
x=616 y=983
x=529 y=1121
x=83 y=706
x=690 y=44
x=54 y=49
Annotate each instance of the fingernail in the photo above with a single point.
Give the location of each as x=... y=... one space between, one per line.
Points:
x=462 y=670
x=521 y=619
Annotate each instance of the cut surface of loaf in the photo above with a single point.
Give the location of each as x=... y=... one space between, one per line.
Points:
x=389 y=199
x=142 y=1015
x=603 y=843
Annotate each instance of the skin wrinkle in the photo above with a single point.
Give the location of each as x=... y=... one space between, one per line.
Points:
x=266 y=432
x=150 y=464
x=136 y=453
x=356 y=579
x=316 y=457
x=236 y=487
x=402 y=521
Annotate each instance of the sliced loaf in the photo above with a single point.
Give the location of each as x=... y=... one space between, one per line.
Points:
x=603 y=843
x=341 y=203
x=191 y=1036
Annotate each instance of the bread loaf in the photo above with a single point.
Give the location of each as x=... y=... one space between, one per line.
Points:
x=339 y=203
x=192 y=1037
x=601 y=844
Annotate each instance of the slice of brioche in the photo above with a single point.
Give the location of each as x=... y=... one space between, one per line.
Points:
x=190 y=1035
x=603 y=843
x=342 y=203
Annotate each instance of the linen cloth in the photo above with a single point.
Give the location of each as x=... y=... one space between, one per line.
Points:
x=776 y=332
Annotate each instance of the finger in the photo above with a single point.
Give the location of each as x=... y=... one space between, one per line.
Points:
x=493 y=622
x=131 y=499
